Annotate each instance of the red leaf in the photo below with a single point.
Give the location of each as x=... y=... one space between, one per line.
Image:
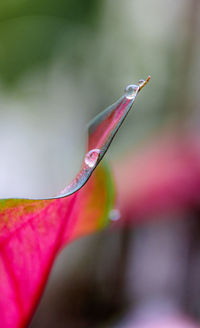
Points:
x=33 y=231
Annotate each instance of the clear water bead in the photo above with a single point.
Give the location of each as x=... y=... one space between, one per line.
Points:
x=131 y=91
x=91 y=157
x=141 y=82
x=114 y=215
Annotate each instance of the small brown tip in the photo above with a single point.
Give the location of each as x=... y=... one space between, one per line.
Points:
x=144 y=83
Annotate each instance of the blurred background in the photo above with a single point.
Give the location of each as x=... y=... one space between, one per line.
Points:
x=61 y=63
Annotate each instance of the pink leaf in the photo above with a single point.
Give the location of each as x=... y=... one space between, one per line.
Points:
x=32 y=232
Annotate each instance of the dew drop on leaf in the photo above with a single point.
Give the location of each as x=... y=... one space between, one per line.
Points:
x=141 y=82
x=91 y=157
x=131 y=91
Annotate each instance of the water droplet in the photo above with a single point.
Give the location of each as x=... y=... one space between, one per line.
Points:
x=141 y=82
x=91 y=157
x=131 y=91
x=114 y=215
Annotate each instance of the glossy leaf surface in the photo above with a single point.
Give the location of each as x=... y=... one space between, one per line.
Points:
x=33 y=231
x=102 y=130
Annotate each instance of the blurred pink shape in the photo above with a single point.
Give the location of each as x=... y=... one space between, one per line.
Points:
x=165 y=175
x=171 y=322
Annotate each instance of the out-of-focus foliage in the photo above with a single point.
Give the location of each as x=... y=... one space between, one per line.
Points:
x=30 y=30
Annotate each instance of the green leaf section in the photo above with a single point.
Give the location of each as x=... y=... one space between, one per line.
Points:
x=31 y=30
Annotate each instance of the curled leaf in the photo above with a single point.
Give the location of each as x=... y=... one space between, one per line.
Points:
x=32 y=232
x=102 y=130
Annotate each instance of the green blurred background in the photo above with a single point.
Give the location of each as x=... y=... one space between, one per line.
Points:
x=62 y=62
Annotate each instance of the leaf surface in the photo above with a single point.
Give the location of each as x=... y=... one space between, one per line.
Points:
x=32 y=232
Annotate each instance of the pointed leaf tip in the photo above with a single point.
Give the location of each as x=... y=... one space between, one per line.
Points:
x=142 y=83
x=101 y=131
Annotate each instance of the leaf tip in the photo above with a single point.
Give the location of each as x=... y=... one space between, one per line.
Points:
x=142 y=83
